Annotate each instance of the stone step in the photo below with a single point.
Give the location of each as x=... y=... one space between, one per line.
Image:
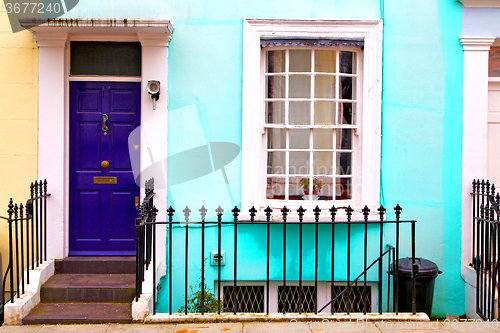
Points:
x=96 y=265
x=88 y=288
x=79 y=313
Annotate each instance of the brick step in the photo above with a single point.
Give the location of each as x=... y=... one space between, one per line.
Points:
x=88 y=288
x=79 y=313
x=95 y=265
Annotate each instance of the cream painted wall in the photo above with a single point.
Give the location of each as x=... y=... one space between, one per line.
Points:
x=18 y=119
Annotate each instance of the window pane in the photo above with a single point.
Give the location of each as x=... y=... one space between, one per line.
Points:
x=299 y=113
x=275 y=87
x=348 y=62
x=295 y=190
x=324 y=86
x=299 y=138
x=299 y=163
x=327 y=189
x=106 y=58
x=276 y=138
x=347 y=87
x=346 y=113
x=275 y=112
x=323 y=163
x=344 y=165
x=324 y=61
x=300 y=61
x=322 y=138
x=276 y=163
x=300 y=86
x=343 y=188
x=275 y=188
x=324 y=113
x=276 y=61
x=344 y=139
x=494 y=65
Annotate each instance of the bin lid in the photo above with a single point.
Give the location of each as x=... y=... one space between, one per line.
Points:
x=426 y=268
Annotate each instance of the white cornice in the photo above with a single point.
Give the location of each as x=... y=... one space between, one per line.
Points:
x=101 y=29
x=480 y=3
x=54 y=39
x=153 y=39
x=476 y=43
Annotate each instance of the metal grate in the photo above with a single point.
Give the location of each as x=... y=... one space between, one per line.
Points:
x=248 y=298
x=356 y=299
x=293 y=299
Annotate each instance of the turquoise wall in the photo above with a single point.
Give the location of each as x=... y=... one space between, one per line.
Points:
x=421 y=109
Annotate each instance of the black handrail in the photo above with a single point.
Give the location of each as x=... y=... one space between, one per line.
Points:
x=146 y=237
x=23 y=221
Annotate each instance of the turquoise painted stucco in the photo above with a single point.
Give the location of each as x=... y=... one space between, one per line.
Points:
x=421 y=118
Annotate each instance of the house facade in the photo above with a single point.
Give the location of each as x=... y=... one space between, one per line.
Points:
x=364 y=100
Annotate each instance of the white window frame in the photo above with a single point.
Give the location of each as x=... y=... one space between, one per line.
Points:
x=366 y=181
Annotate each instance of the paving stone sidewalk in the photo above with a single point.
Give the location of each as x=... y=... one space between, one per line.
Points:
x=274 y=327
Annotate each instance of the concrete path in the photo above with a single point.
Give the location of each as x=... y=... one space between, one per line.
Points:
x=283 y=327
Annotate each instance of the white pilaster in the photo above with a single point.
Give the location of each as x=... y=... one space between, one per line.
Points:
x=154 y=123
x=475 y=130
x=51 y=137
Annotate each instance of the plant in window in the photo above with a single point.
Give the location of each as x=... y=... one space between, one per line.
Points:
x=317 y=185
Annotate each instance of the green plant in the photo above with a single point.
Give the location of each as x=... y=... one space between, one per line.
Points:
x=194 y=301
x=317 y=184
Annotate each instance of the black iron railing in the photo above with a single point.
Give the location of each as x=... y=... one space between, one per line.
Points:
x=485 y=246
x=145 y=234
x=275 y=229
x=27 y=239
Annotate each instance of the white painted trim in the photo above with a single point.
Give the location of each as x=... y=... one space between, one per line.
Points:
x=106 y=78
x=476 y=43
x=480 y=3
x=53 y=158
x=475 y=129
x=253 y=191
x=15 y=312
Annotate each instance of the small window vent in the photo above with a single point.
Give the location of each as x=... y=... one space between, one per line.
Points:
x=355 y=296
x=248 y=298
x=293 y=299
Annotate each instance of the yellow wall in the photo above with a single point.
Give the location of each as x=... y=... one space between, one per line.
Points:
x=18 y=119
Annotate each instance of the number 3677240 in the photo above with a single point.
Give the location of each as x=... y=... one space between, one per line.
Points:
x=32 y=7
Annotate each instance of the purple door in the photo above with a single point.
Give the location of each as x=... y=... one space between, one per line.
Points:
x=102 y=186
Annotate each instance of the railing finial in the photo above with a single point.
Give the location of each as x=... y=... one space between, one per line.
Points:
x=203 y=212
x=268 y=212
x=284 y=212
x=236 y=212
x=186 y=212
x=366 y=211
x=317 y=212
x=381 y=211
x=348 y=212
x=301 y=212
x=252 y=212
x=398 y=210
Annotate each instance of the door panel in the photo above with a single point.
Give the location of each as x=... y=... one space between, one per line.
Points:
x=102 y=215
x=122 y=202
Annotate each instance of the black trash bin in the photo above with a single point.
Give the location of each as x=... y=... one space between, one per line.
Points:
x=424 y=284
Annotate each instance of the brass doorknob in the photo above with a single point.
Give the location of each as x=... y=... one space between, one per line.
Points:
x=104 y=164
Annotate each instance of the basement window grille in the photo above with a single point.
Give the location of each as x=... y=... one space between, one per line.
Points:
x=293 y=298
x=356 y=299
x=249 y=298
